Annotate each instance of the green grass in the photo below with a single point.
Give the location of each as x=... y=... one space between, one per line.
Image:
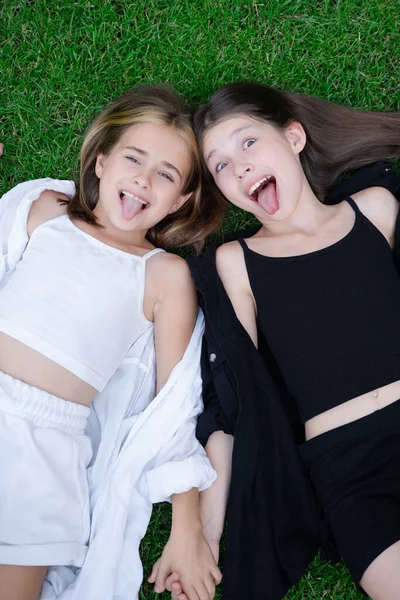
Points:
x=62 y=61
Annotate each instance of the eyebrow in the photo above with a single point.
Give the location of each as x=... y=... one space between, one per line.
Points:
x=164 y=162
x=231 y=135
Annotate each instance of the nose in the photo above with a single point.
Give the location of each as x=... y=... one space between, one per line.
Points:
x=142 y=179
x=241 y=169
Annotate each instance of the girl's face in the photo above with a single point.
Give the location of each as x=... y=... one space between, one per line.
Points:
x=256 y=165
x=142 y=177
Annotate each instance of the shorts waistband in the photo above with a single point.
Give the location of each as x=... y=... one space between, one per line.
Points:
x=40 y=407
x=384 y=419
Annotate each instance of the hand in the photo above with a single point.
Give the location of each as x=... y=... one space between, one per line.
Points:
x=188 y=561
x=173 y=583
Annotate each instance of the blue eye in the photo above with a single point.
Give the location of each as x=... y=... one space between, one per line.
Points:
x=167 y=176
x=220 y=166
x=249 y=142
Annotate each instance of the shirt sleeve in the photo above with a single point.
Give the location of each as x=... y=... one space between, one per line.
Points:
x=182 y=463
x=14 y=210
x=220 y=409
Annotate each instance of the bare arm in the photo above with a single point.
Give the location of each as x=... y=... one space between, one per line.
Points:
x=233 y=273
x=213 y=501
x=46 y=207
x=174 y=311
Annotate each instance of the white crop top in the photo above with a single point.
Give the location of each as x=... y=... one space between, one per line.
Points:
x=76 y=300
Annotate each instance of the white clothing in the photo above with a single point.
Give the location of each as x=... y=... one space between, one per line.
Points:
x=44 y=496
x=144 y=447
x=74 y=282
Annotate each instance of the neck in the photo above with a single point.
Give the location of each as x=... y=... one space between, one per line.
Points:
x=109 y=234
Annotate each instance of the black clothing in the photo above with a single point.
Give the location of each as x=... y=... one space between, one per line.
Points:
x=316 y=310
x=273 y=528
x=355 y=471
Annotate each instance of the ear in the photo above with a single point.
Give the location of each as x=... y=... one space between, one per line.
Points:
x=180 y=202
x=100 y=164
x=296 y=136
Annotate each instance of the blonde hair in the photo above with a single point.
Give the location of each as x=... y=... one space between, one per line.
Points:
x=161 y=105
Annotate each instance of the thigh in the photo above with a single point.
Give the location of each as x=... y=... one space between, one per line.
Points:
x=381 y=580
x=21 y=583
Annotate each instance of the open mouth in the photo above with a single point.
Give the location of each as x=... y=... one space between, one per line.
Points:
x=132 y=204
x=259 y=186
x=264 y=192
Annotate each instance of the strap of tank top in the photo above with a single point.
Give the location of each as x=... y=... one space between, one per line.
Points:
x=244 y=245
x=396 y=249
x=353 y=205
x=248 y=262
x=152 y=253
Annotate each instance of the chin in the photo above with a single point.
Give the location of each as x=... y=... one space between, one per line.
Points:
x=122 y=224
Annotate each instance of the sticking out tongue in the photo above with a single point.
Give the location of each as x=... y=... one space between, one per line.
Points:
x=267 y=198
x=130 y=207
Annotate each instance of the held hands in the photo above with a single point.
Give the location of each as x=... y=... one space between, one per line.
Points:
x=188 y=567
x=173 y=582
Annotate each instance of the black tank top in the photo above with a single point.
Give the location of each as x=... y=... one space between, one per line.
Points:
x=331 y=318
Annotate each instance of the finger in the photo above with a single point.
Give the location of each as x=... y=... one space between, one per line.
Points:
x=210 y=585
x=216 y=573
x=176 y=588
x=1 y=149
x=154 y=572
x=202 y=591
x=191 y=593
x=159 y=585
x=171 y=580
x=179 y=597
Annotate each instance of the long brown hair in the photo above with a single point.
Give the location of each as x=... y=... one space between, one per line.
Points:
x=159 y=104
x=338 y=138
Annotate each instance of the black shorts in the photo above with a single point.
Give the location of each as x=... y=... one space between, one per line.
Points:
x=355 y=471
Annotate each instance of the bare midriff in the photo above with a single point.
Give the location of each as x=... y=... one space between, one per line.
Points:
x=352 y=410
x=28 y=365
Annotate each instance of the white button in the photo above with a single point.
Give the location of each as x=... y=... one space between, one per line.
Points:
x=213 y=357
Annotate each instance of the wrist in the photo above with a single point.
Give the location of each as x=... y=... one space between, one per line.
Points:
x=212 y=533
x=189 y=527
x=186 y=512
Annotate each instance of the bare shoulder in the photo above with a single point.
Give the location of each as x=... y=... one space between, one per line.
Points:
x=380 y=207
x=169 y=274
x=229 y=259
x=46 y=207
x=231 y=267
x=229 y=251
x=168 y=282
x=169 y=266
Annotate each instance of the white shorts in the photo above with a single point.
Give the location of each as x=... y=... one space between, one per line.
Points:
x=44 y=496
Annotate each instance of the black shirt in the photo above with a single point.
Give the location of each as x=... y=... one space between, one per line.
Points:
x=316 y=311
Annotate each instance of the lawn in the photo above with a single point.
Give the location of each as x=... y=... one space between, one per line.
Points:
x=62 y=61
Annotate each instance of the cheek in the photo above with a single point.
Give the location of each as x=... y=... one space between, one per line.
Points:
x=224 y=181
